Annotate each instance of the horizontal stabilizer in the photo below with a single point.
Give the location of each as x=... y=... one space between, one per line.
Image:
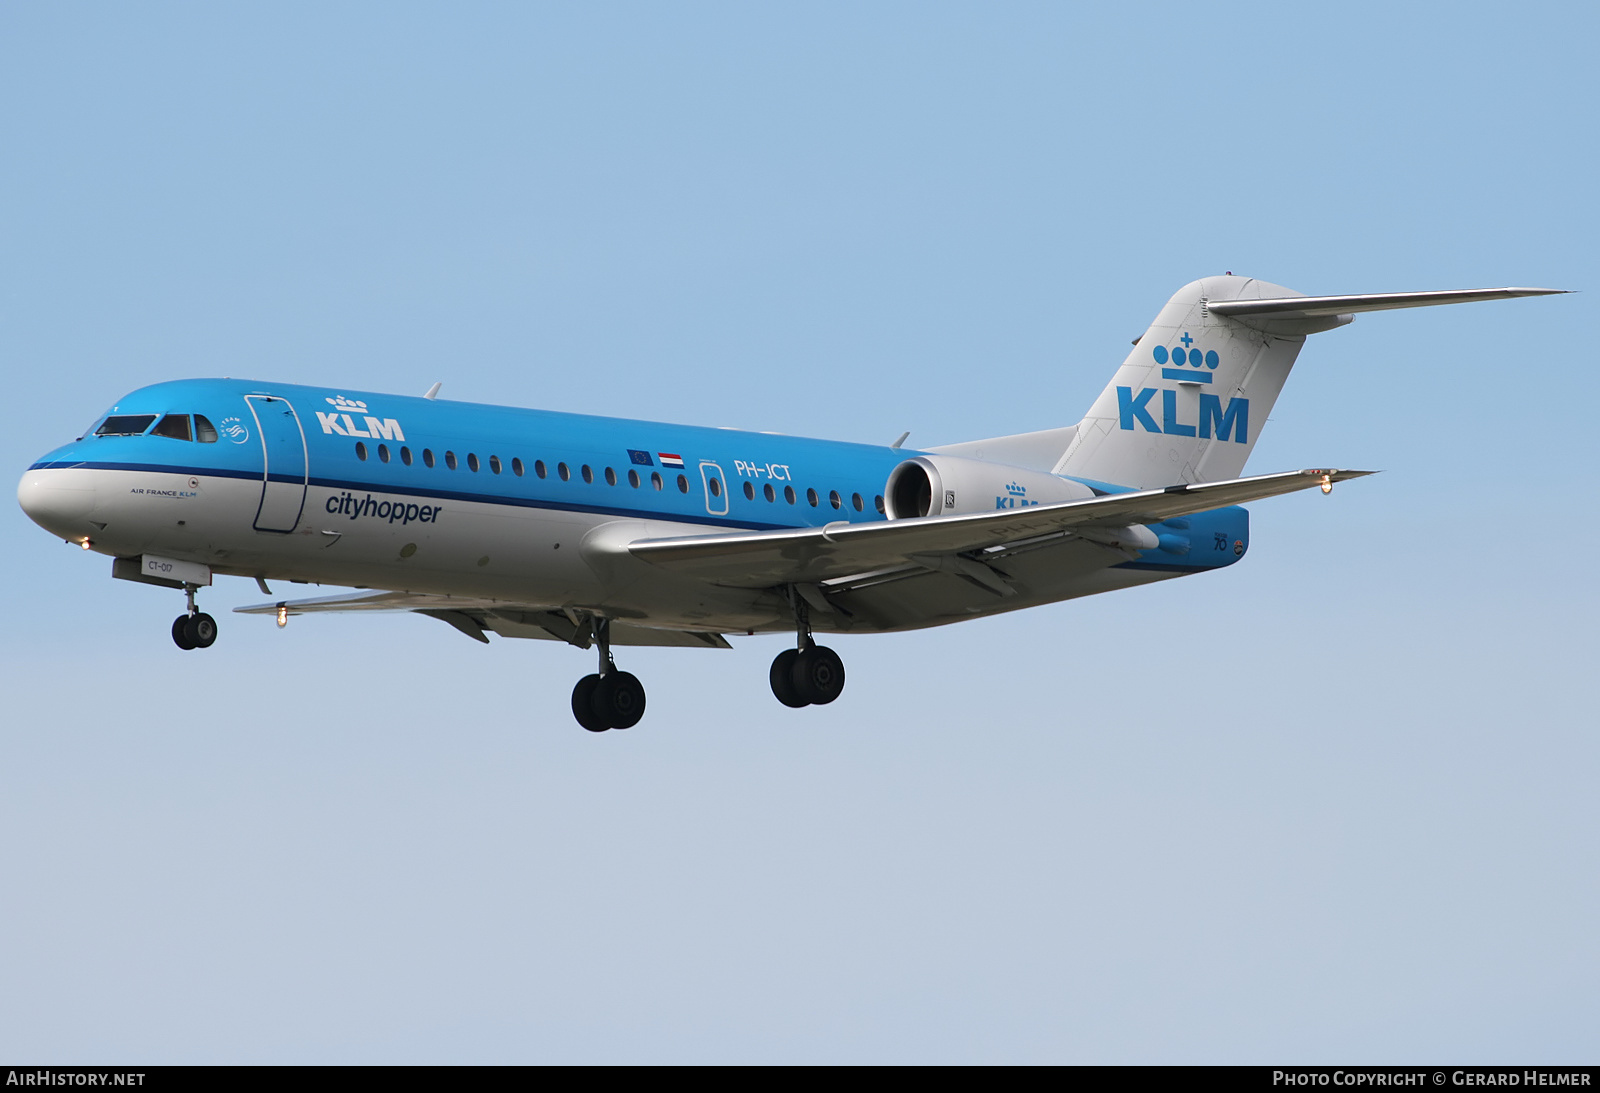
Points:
x=1313 y=307
x=765 y=558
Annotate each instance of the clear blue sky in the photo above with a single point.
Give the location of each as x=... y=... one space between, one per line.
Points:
x=1334 y=804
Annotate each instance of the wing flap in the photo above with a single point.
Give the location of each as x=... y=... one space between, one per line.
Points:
x=477 y=617
x=758 y=558
x=371 y=601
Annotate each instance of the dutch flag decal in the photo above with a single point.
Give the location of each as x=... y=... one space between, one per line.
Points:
x=668 y=459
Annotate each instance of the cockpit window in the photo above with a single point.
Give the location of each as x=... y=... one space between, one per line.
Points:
x=204 y=431
x=125 y=425
x=175 y=426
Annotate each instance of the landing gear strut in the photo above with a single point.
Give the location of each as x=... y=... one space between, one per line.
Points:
x=194 y=629
x=610 y=699
x=809 y=674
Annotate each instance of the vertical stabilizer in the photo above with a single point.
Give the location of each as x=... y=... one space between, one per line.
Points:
x=1189 y=401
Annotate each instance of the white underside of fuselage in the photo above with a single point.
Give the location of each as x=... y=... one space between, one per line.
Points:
x=551 y=558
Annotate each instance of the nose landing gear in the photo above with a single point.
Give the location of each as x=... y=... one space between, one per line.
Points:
x=809 y=674
x=194 y=629
x=610 y=699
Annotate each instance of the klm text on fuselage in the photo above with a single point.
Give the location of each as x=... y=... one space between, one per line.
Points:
x=1230 y=423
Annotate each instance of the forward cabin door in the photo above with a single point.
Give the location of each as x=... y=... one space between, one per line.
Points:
x=284 y=469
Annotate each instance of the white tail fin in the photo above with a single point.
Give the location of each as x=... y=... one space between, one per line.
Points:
x=1190 y=400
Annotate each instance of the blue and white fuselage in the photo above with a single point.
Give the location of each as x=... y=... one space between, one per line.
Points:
x=331 y=486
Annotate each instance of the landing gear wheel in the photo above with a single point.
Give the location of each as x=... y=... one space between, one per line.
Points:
x=180 y=633
x=619 y=699
x=782 y=679
x=818 y=674
x=583 y=704
x=201 y=629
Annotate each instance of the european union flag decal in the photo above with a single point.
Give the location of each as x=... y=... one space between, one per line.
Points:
x=641 y=458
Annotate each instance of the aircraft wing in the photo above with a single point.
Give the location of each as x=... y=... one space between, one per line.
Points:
x=764 y=558
x=478 y=617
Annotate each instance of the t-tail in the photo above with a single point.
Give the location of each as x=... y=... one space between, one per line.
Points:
x=1190 y=400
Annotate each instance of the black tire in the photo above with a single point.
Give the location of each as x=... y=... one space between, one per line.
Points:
x=180 y=633
x=619 y=699
x=583 y=704
x=818 y=675
x=202 y=630
x=782 y=679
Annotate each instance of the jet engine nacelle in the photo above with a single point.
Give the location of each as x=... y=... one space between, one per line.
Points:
x=939 y=485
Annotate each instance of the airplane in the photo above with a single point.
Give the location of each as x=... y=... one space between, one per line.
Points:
x=603 y=532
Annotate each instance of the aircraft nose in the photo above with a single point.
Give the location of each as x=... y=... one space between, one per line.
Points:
x=58 y=500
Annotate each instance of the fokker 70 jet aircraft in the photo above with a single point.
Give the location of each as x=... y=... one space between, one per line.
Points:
x=603 y=532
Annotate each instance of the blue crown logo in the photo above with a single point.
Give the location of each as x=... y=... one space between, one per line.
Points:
x=1017 y=491
x=1189 y=354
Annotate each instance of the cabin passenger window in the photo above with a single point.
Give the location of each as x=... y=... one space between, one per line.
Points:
x=788 y=494
x=611 y=477
x=516 y=466
x=749 y=492
x=767 y=492
x=405 y=456
x=855 y=499
x=683 y=483
x=633 y=478
x=125 y=425
x=173 y=426
x=494 y=464
x=714 y=486
x=811 y=498
x=538 y=467
x=588 y=473
x=427 y=457
x=878 y=501
x=472 y=463
x=833 y=499
x=204 y=431
x=383 y=453
x=655 y=480
x=361 y=451
x=561 y=469
x=450 y=460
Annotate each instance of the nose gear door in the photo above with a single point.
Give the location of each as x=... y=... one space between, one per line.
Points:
x=284 y=463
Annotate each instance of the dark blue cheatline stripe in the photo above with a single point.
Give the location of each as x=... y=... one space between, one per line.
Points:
x=166 y=468
x=446 y=495
x=159 y=468
x=1184 y=375
x=556 y=506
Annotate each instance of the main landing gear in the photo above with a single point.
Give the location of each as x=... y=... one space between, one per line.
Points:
x=193 y=629
x=809 y=674
x=609 y=699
